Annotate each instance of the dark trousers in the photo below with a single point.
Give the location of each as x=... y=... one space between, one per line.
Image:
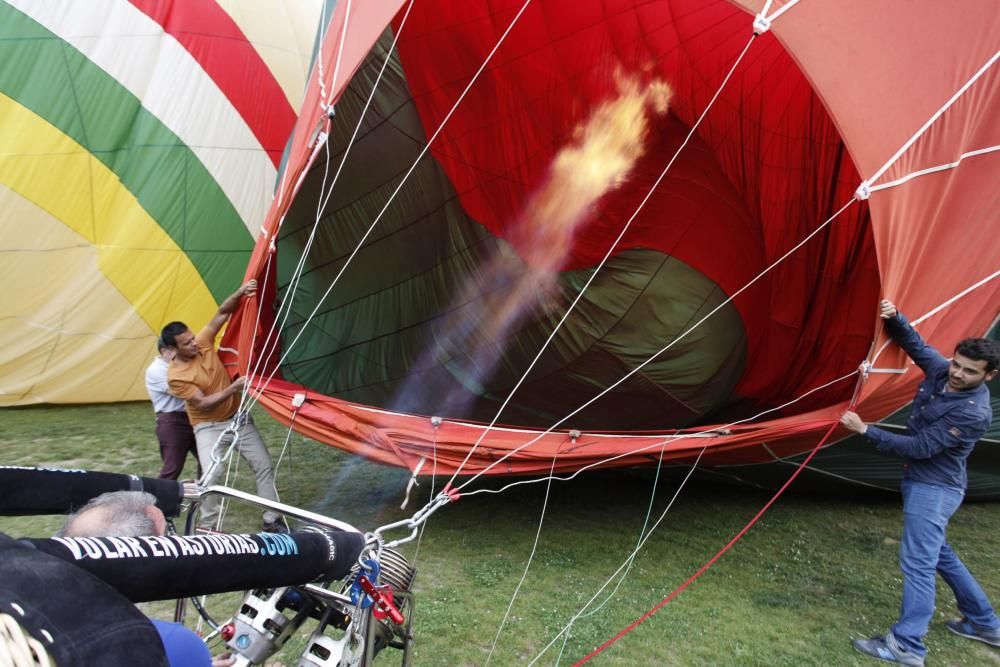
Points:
x=176 y=437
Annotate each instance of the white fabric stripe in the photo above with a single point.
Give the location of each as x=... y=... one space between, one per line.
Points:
x=169 y=82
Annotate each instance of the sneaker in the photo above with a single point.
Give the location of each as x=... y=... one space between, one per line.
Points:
x=274 y=527
x=887 y=648
x=964 y=628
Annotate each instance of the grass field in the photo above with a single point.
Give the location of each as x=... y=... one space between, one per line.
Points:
x=814 y=573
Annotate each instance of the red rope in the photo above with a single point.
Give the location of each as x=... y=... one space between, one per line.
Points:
x=712 y=560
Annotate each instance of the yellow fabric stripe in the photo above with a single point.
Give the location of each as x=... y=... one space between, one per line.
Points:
x=67 y=335
x=51 y=170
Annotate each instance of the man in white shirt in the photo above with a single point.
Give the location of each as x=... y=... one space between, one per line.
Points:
x=173 y=429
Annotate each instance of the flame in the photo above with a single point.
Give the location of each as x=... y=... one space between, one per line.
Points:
x=599 y=158
x=602 y=154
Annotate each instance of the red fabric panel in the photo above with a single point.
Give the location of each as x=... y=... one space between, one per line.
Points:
x=364 y=431
x=208 y=33
x=766 y=168
x=879 y=68
x=937 y=234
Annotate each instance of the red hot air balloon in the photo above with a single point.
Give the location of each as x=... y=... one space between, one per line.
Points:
x=720 y=275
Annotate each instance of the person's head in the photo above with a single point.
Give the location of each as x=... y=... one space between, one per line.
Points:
x=118 y=514
x=166 y=352
x=177 y=337
x=975 y=361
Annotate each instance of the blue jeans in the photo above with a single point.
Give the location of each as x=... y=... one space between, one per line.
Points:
x=926 y=511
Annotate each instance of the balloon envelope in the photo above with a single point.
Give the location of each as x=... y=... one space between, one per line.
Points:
x=718 y=276
x=139 y=145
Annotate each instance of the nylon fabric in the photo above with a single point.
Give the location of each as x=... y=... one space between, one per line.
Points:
x=284 y=41
x=53 y=346
x=142 y=152
x=154 y=160
x=783 y=148
x=231 y=60
x=50 y=169
x=168 y=82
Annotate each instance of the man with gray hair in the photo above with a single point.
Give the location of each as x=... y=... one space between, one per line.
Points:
x=135 y=514
x=118 y=514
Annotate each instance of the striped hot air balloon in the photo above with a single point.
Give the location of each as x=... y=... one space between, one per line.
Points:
x=139 y=147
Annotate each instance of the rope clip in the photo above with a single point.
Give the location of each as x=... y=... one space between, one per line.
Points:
x=413 y=523
x=863 y=192
x=761 y=24
x=369 y=573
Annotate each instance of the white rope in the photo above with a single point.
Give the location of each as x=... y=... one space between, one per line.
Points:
x=931 y=170
x=430 y=497
x=864 y=186
x=626 y=563
x=630 y=560
x=600 y=265
x=788 y=5
x=319 y=56
x=273 y=337
x=18 y=648
x=240 y=423
x=963 y=293
x=399 y=187
x=662 y=350
x=251 y=365
x=667 y=440
x=232 y=469
x=286 y=447
x=328 y=103
x=930 y=121
x=290 y=293
x=939 y=308
x=531 y=558
x=323 y=25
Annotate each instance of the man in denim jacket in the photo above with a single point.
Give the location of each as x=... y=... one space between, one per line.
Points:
x=950 y=413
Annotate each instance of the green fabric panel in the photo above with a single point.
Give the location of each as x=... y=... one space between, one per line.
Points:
x=48 y=76
x=384 y=337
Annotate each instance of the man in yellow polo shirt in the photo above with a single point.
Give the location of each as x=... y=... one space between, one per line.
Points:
x=197 y=375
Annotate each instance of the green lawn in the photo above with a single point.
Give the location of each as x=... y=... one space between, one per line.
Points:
x=816 y=571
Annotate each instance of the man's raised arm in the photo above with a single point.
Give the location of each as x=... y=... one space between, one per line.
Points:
x=227 y=308
x=923 y=355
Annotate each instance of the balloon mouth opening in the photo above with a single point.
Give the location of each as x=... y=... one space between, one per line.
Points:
x=418 y=324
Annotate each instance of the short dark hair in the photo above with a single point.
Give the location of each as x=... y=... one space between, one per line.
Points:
x=168 y=336
x=160 y=345
x=980 y=349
